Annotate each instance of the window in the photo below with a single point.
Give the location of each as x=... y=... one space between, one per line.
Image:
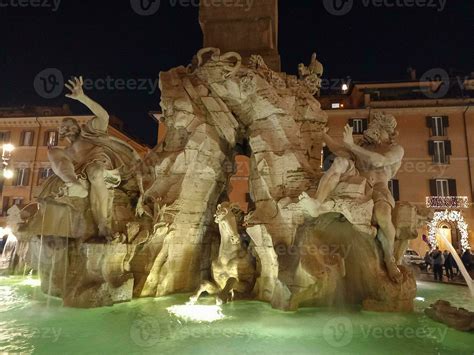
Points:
x=27 y=138
x=359 y=125
x=440 y=151
x=17 y=201
x=4 y=137
x=43 y=174
x=443 y=187
x=438 y=125
x=51 y=138
x=22 y=177
x=394 y=187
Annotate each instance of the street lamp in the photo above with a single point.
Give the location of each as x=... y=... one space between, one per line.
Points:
x=8 y=174
x=7 y=151
x=5 y=173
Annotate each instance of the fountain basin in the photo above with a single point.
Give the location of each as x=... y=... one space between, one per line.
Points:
x=146 y=326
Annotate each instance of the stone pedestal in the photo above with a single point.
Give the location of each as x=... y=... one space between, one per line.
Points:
x=244 y=26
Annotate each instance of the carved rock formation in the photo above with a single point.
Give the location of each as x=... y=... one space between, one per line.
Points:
x=458 y=318
x=213 y=109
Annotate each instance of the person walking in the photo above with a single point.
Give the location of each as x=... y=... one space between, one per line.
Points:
x=467 y=259
x=428 y=261
x=448 y=265
x=438 y=262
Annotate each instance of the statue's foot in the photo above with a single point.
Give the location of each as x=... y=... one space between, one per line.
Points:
x=310 y=205
x=394 y=272
x=77 y=189
x=105 y=232
x=251 y=219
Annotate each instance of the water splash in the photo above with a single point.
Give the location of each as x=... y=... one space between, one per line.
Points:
x=197 y=313
x=462 y=268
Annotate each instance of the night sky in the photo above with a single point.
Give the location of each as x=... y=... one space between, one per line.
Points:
x=100 y=39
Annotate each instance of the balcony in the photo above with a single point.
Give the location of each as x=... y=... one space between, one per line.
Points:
x=447 y=202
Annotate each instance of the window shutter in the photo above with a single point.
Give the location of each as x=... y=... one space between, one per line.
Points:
x=351 y=122
x=431 y=148
x=429 y=122
x=46 y=136
x=22 y=138
x=448 y=147
x=26 y=177
x=16 y=177
x=433 y=190
x=453 y=191
x=445 y=121
x=365 y=124
x=396 y=190
x=41 y=171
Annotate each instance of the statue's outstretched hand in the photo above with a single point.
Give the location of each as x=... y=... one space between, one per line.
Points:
x=348 y=137
x=75 y=86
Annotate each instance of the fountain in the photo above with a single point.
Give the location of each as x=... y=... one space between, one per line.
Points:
x=110 y=228
x=116 y=227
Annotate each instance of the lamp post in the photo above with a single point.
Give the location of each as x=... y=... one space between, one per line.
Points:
x=5 y=172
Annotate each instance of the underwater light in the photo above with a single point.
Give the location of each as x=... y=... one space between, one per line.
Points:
x=196 y=313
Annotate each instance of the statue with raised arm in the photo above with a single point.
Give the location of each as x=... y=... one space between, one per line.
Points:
x=92 y=163
x=377 y=158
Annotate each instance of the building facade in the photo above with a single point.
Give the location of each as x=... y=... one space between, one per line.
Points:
x=32 y=131
x=437 y=133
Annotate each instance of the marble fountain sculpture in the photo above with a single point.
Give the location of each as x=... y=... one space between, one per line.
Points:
x=110 y=226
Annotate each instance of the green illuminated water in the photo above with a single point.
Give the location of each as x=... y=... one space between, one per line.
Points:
x=145 y=326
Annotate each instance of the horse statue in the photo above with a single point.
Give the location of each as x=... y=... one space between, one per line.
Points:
x=234 y=269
